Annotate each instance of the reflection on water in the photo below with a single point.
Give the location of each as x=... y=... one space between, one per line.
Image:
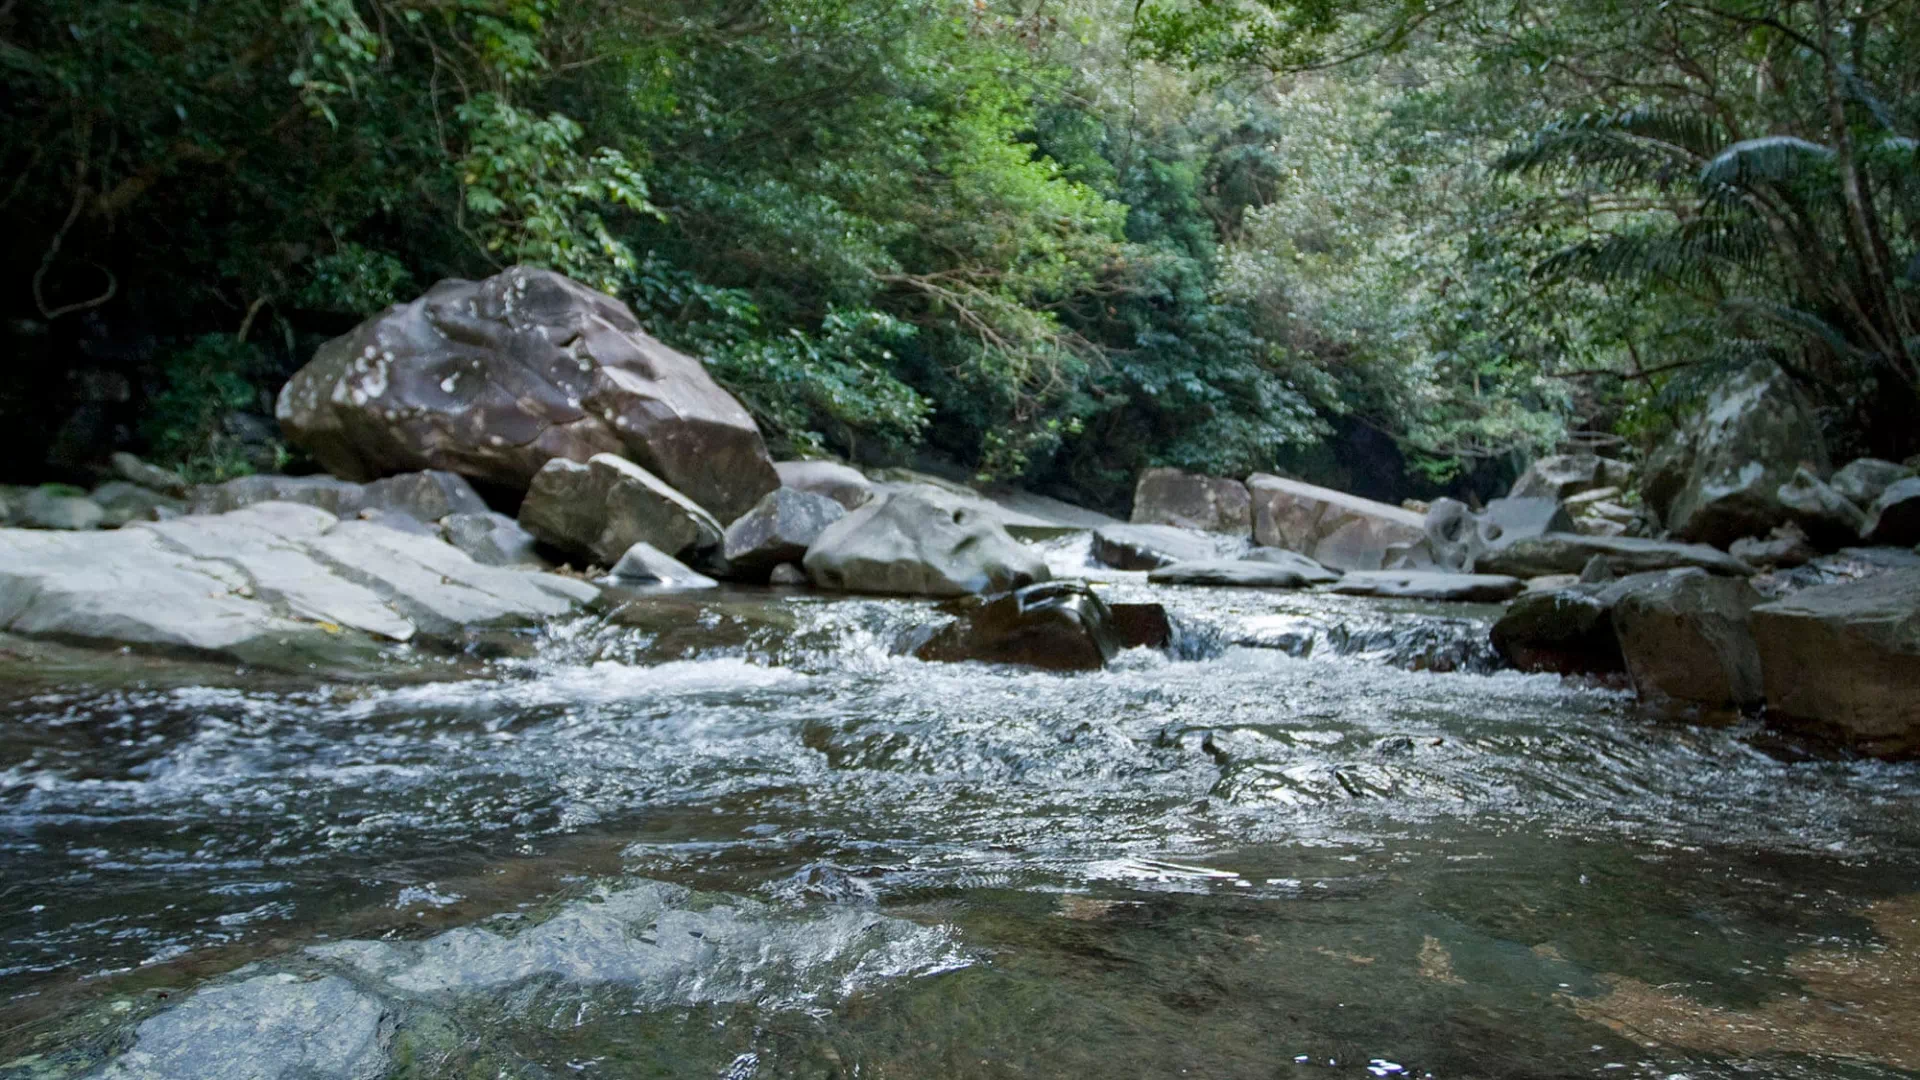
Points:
x=1306 y=837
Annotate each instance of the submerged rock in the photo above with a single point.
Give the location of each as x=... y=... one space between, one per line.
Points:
x=1845 y=660
x=1569 y=553
x=1282 y=570
x=843 y=484
x=269 y=1027
x=1687 y=644
x=1192 y=501
x=1342 y=531
x=1430 y=585
x=644 y=564
x=1149 y=547
x=779 y=529
x=492 y=379
x=1058 y=625
x=904 y=545
x=598 y=510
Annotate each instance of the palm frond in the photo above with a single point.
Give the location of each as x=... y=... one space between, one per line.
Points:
x=1688 y=254
x=1798 y=321
x=1637 y=146
x=1774 y=159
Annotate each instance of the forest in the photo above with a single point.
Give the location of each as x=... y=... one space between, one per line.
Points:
x=1394 y=246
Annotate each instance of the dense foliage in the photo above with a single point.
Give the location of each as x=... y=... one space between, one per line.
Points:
x=1386 y=245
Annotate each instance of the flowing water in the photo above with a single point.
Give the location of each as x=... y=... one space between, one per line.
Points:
x=1317 y=837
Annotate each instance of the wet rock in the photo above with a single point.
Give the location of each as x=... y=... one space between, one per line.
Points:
x=1294 y=572
x=779 y=529
x=1458 y=537
x=337 y=497
x=1192 y=501
x=1786 y=548
x=492 y=539
x=787 y=574
x=122 y=502
x=1687 y=643
x=131 y=469
x=1845 y=659
x=1863 y=480
x=1722 y=480
x=1827 y=518
x=1057 y=625
x=1565 y=475
x=843 y=484
x=1569 y=553
x=904 y=545
x=424 y=496
x=1338 y=530
x=644 y=564
x=1569 y=632
x=1895 y=518
x=1430 y=585
x=1149 y=547
x=54 y=508
x=598 y=510
x=1141 y=626
x=269 y=1027
x=493 y=379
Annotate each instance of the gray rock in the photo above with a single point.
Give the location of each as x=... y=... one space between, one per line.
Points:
x=337 y=497
x=1246 y=573
x=1192 y=501
x=1895 y=519
x=906 y=545
x=1827 y=517
x=1430 y=585
x=1569 y=631
x=492 y=379
x=1755 y=431
x=644 y=564
x=1057 y=625
x=492 y=539
x=1565 y=475
x=50 y=508
x=1845 y=660
x=1569 y=553
x=1336 y=529
x=841 y=483
x=1786 y=548
x=1687 y=644
x=406 y=523
x=598 y=510
x=426 y=496
x=1862 y=481
x=1598 y=571
x=269 y=1027
x=1148 y=547
x=1458 y=538
x=779 y=529
x=152 y=477
x=787 y=574
x=124 y=502
x=1554 y=582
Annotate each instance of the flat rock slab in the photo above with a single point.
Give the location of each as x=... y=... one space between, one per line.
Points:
x=1430 y=585
x=1245 y=573
x=1569 y=553
x=1149 y=547
x=269 y=1027
x=1332 y=527
x=275 y=584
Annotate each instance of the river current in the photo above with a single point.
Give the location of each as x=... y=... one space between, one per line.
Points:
x=1317 y=837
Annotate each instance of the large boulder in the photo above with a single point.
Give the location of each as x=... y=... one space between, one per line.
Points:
x=1567 y=632
x=1569 y=553
x=1149 y=547
x=1297 y=573
x=1895 y=518
x=1829 y=519
x=903 y=545
x=1687 y=644
x=843 y=484
x=778 y=530
x=1563 y=476
x=1458 y=538
x=1722 y=481
x=493 y=379
x=1192 y=501
x=598 y=510
x=1862 y=481
x=1059 y=625
x=1845 y=659
x=1336 y=529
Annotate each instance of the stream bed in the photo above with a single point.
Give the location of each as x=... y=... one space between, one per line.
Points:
x=741 y=834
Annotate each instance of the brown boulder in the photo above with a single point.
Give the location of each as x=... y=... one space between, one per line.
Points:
x=599 y=510
x=1192 y=501
x=492 y=379
x=1845 y=659
x=1336 y=529
x=1687 y=644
